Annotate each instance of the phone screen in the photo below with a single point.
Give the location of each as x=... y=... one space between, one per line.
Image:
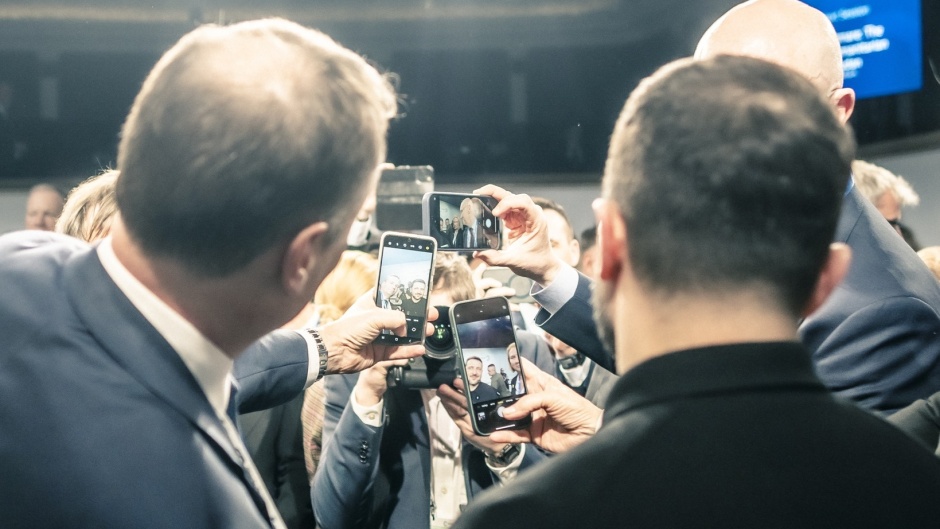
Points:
x=492 y=372
x=404 y=282
x=461 y=222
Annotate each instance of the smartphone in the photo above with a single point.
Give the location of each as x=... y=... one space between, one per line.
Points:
x=489 y=362
x=461 y=222
x=399 y=195
x=522 y=285
x=405 y=265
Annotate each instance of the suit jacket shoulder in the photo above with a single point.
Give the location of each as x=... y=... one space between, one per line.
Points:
x=874 y=340
x=103 y=424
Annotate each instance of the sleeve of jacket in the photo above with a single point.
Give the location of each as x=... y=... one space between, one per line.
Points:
x=574 y=325
x=271 y=371
x=342 y=487
x=883 y=357
x=921 y=420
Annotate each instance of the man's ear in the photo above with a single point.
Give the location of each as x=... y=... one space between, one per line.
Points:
x=844 y=101
x=611 y=239
x=833 y=271
x=575 y=251
x=301 y=257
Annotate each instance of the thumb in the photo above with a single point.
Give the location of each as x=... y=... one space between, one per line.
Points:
x=526 y=406
x=491 y=257
x=378 y=319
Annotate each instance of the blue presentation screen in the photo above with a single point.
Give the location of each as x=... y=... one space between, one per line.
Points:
x=881 y=44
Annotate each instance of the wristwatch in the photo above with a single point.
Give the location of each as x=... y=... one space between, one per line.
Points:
x=505 y=456
x=321 y=352
x=572 y=361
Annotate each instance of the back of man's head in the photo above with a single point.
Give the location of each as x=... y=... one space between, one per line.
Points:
x=244 y=135
x=729 y=173
x=785 y=32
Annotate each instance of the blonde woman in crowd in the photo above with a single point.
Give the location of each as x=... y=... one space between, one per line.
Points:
x=90 y=208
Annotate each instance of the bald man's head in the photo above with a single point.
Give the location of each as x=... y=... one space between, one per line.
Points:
x=786 y=32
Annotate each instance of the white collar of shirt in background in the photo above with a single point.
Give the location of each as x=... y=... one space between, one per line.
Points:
x=576 y=375
x=209 y=365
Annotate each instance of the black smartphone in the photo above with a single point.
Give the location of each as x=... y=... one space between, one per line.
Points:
x=399 y=195
x=461 y=222
x=522 y=285
x=489 y=360
x=405 y=265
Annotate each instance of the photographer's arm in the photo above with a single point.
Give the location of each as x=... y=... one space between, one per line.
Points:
x=349 y=464
x=563 y=293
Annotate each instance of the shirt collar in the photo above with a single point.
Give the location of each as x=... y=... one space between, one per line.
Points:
x=208 y=364
x=713 y=370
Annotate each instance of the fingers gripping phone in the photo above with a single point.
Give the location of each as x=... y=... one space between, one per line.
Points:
x=405 y=265
x=491 y=370
x=461 y=222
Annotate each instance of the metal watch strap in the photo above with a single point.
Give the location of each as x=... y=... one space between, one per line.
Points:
x=504 y=457
x=321 y=351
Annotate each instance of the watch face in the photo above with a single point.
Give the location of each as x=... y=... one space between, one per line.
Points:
x=570 y=362
x=506 y=455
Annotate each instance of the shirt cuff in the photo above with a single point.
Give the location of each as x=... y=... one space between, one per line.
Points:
x=508 y=473
x=369 y=415
x=553 y=297
x=313 y=358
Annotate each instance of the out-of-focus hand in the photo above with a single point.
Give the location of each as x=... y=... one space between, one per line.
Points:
x=455 y=402
x=372 y=385
x=561 y=419
x=529 y=252
x=490 y=287
x=349 y=339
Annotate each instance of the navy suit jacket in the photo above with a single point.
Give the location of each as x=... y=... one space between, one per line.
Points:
x=102 y=423
x=875 y=341
x=380 y=477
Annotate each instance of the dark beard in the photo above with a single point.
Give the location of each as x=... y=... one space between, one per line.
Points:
x=600 y=295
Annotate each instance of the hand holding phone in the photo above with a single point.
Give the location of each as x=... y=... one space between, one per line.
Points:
x=405 y=265
x=560 y=418
x=528 y=252
x=492 y=373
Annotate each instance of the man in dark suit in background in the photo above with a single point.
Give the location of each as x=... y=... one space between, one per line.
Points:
x=471 y=213
x=718 y=419
x=116 y=366
x=875 y=340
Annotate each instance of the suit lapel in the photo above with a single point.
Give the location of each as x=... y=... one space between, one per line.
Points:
x=137 y=346
x=848 y=217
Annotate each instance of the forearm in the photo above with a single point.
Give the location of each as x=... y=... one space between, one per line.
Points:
x=342 y=488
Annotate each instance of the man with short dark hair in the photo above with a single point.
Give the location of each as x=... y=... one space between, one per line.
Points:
x=414 y=302
x=712 y=246
x=243 y=161
x=479 y=390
